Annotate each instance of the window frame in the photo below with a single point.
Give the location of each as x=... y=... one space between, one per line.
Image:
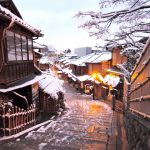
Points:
x=28 y=38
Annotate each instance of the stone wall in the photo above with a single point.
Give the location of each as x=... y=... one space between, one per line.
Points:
x=138 y=132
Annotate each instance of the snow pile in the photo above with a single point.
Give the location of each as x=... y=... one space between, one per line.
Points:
x=43 y=129
x=84 y=78
x=67 y=70
x=41 y=145
x=45 y=60
x=30 y=134
x=51 y=85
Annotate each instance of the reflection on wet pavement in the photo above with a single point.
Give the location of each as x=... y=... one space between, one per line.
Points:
x=84 y=126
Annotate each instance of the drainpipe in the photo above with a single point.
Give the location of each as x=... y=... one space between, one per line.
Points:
x=3 y=35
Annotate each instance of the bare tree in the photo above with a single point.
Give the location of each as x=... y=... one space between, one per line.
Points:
x=121 y=22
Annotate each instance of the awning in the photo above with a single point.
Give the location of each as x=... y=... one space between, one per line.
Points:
x=22 y=83
x=111 y=80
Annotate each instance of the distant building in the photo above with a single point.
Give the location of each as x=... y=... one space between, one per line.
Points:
x=82 y=51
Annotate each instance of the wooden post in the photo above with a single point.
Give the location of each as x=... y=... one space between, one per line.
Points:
x=4 y=116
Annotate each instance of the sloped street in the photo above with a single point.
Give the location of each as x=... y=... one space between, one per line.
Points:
x=85 y=125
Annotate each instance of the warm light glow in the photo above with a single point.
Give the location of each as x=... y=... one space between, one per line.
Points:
x=94 y=75
x=100 y=77
x=112 y=80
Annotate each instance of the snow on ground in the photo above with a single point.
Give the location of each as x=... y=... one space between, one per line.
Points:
x=85 y=123
x=41 y=146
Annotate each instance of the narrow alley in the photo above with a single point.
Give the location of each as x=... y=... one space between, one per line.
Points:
x=85 y=125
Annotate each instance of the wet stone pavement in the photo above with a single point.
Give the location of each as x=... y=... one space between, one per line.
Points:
x=86 y=125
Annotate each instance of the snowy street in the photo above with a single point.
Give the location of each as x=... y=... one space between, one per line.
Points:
x=85 y=125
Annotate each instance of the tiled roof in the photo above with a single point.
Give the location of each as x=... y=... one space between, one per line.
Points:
x=93 y=58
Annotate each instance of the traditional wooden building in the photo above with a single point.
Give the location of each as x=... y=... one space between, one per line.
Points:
x=97 y=65
x=18 y=75
x=84 y=68
x=79 y=66
x=44 y=64
x=117 y=58
x=37 y=57
x=51 y=95
x=38 y=53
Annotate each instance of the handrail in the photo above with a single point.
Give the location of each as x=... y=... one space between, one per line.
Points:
x=142 y=98
x=144 y=115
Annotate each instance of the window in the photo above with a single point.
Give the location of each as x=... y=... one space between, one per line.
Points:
x=30 y=49
x=11 y=46
x=18 y=46
x=24 y=48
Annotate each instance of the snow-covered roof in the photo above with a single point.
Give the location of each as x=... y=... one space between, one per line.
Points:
x=37 y=52
x=99 y=57
x=7 y=14
x=81 y=61
x=92 y=58
x=70 y=54
x=63 y=59
x=51 y=85
x=84 y=78
x=67 y=70
x=38 y=45
x=26 y=82
x=45 y=60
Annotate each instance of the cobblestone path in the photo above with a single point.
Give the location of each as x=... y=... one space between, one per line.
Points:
x=85 y=125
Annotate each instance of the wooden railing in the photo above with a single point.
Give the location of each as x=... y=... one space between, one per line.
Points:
x=14 y=120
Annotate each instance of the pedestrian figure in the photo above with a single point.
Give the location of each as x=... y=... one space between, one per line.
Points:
x=113 y=102
x=113 y=92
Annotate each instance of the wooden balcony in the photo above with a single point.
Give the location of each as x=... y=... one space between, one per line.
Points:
x=15 y=71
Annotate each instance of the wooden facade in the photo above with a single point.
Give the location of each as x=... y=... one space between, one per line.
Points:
x=117 y=58
x=50 y=105
x=37 y=57
x=99 y=67
x=137 y=102
x=79 y=70
x=17 y=71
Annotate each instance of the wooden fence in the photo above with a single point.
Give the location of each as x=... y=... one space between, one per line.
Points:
x=137 y=103
x=139 y=95
x=14 y=120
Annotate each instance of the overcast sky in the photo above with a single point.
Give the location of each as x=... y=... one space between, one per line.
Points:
x=55 y=19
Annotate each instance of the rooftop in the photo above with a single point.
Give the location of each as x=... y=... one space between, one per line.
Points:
x=5 y=13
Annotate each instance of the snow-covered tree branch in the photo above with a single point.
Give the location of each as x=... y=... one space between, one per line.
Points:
x=120 y=20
